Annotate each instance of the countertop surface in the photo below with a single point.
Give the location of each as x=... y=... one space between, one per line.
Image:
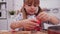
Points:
x=21 y=32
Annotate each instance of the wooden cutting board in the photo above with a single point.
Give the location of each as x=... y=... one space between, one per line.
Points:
x=20 y=32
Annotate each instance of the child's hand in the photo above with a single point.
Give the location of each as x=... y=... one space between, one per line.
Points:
x=29 y=24
x=12 y=30
x=43 y=16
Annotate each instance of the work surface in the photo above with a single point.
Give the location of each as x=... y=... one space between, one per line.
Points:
x=21 y=32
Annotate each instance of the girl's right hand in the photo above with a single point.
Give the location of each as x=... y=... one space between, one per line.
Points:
x=29 y=24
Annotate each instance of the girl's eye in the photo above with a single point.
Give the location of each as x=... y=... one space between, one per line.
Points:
x=35 y=5
x=29 y=5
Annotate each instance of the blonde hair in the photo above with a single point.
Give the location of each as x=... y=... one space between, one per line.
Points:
x=35 y=2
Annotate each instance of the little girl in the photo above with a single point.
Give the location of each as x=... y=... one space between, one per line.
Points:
x=31 y=8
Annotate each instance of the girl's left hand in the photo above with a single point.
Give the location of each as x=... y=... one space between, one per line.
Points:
x=43 y=16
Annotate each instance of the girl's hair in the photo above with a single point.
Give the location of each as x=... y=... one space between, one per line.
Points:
x=35 y=2
x=23 y=10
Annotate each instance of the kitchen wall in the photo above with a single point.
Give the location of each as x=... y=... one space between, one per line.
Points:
x=10 y=5
x=18 y=4
x=50 y=3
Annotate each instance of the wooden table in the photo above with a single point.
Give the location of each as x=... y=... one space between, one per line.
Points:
x=20 y=32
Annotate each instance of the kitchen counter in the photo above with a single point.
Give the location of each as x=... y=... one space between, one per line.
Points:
x=20 y=32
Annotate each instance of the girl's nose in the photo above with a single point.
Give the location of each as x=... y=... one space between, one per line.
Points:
x=32 y=7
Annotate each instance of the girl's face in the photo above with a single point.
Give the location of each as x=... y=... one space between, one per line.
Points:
x=31 y=6
x=31 y=9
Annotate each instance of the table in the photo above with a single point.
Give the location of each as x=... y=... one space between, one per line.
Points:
x=20 y=32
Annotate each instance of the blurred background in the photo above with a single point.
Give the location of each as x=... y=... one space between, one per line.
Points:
x=8 y=9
